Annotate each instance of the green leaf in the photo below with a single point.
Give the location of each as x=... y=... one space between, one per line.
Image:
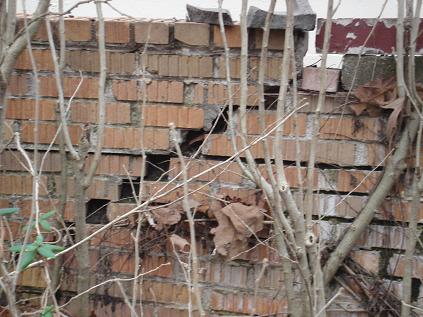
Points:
x=46 y=252
x=38 y=240
x=45 y=225
x=18 y=247
x=47 y=312
x=8 y=211
x=54 y=248
x=26 y=259
x=47 y=215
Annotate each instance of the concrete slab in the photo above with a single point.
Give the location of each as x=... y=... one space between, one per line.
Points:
x=208 y=15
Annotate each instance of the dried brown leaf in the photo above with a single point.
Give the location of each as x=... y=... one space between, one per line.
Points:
x=166 y=217
x=179 y=243
x=236 y=222
x=397 y=106
x=358 y=108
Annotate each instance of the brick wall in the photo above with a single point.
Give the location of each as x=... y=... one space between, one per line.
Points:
x=183 y=75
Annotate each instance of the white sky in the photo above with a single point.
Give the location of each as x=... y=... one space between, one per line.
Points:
x=167 y=9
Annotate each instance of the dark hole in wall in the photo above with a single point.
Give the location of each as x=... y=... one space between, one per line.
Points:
x=220 y=124
x=127 y=190
x=415 y=288
x=157 y=166
x=192 y=141
x=97 y=211
x=271 y=97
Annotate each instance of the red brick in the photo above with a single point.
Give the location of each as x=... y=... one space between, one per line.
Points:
x=327 y=152
x=19 y=85
x=217 y=94
x=165 y=91
x=182 y=117
x=88 y=61
x=116 y=32
x=130 y=138
x=234 y=64
x=242 y=303
x=47 y=131
x=157 y=33
x=397 y=264
x=192 y=33
x=116 y=113
x=311 y=79
x=227 y=173
x=276 y=39
x=253 y=124
x=165 y=292
x=110 y=164
x=198 y=192
x=233 y=36
x=33 y=277
x=115 y=237
x=88 y=88
x=115 y=210
x=20 y=184
x=14 y=161
x=25 y=109
x=47 y=205
x=125 y=89
x=41 y=34
x=43 y=60
x=348 y=180
x=179 y=65
x=78 y=29
x=100 y=188
x=367 y=259
x=362 y=129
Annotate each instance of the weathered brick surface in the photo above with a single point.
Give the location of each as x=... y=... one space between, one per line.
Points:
x=183 y=75
x=152 y=32
x=87 y=112
x=25 y=109
x=89 y=61
x=132 y=138
x=116 y=32
x=177 y=65
x=233 y=36
x=182 y=117
x=192 y=33
x=88 y=88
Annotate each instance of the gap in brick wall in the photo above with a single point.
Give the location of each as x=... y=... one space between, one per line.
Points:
x=271 y=97
x=97 y=211
x=415 y=289
x=192 y=140
x=220 y=124
x=126 y=194
x=157 y=167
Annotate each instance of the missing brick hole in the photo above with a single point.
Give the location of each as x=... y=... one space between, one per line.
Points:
x=220 y=123
x=157 y=167
x=97 y=211
x=192 y=140
x=128 y=188
x=271 y=94
x=415 y=289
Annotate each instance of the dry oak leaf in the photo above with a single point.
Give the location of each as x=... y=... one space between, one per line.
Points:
x=236 y=222
x=377 y=95
x=166 y=217
x=179 y=243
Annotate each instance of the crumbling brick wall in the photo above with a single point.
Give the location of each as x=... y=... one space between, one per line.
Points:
x=183 y=72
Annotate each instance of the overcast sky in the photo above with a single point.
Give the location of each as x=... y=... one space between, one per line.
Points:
x=167 y=9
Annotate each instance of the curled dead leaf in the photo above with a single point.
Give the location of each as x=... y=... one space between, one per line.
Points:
x=237 y=222
x=166 y=217
x=179 y=243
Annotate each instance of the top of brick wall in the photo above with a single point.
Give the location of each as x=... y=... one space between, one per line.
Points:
x=131 y=34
